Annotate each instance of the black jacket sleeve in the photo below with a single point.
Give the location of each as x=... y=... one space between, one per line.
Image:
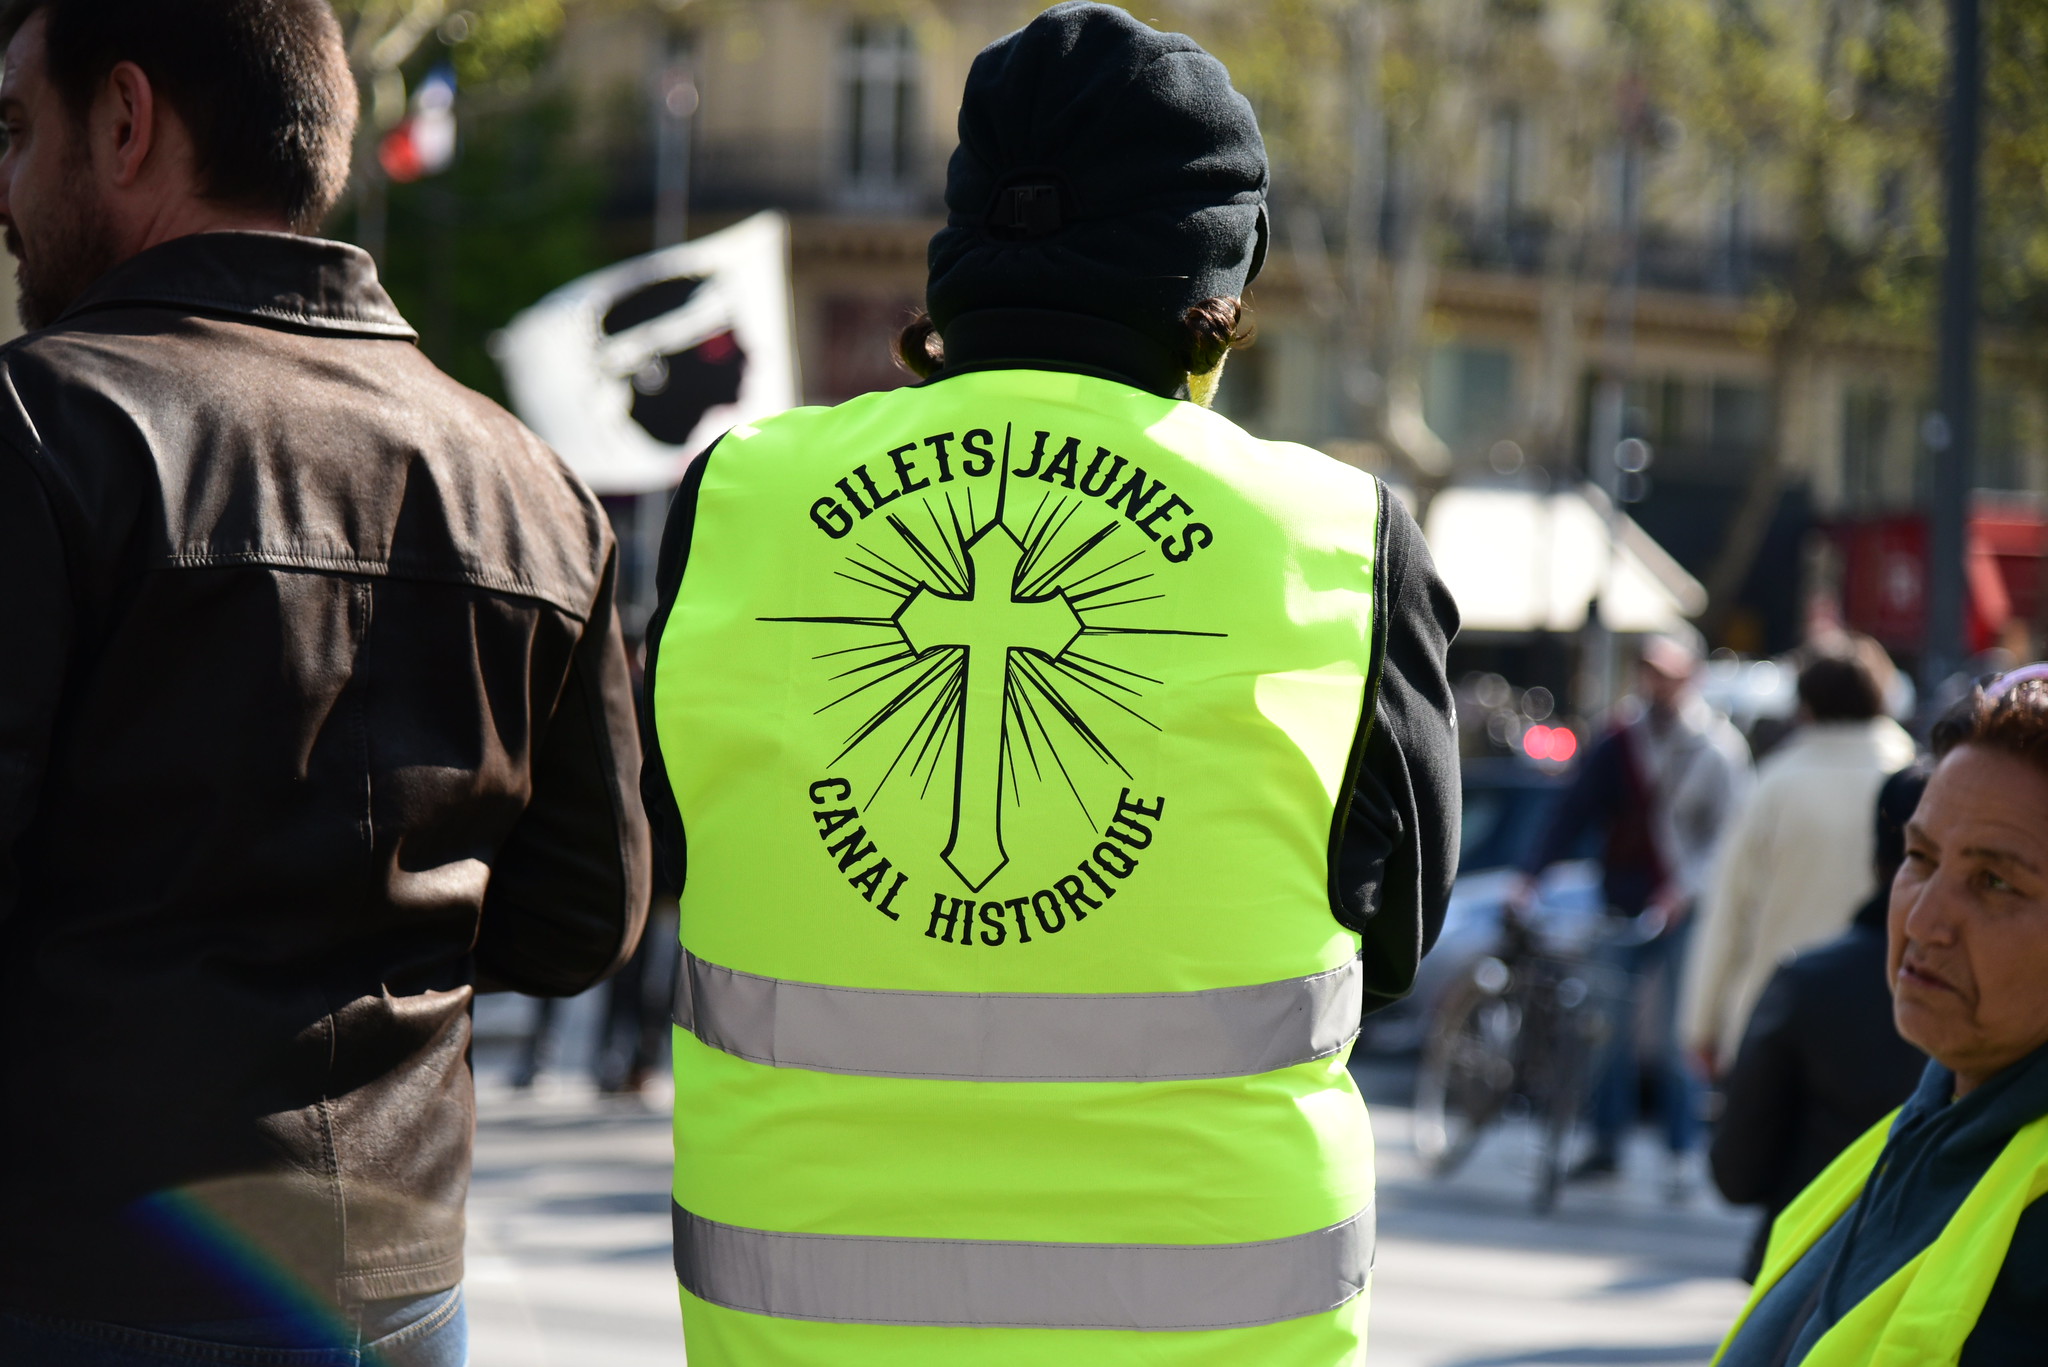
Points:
x=1752 y=1152
x=1394 y=852
x=568 y=896
x=670 y=859
x=36 y=626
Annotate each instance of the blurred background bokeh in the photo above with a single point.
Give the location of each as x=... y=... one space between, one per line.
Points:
x=1680 y=254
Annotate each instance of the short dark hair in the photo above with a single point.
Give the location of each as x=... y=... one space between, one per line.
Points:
x=1896 y=802
x=263 y=85
x=2013 y=721
x=1840 y=687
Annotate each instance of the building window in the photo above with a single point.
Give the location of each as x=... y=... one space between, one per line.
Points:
x=1866 y=440
x=1509 y=188
x=1894 y=206
x=879 y=74
x=1739 y=416
x=1621 y=170
x=2001 y=453
x=859 y=346
x=1468 y=396
x=1501 y=194
x=1731 y=229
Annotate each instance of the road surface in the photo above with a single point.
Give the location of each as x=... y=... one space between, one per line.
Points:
x=569 y=1246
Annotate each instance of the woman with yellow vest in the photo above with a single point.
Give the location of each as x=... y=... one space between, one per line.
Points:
x=1924 y=1243
x=1062 y=772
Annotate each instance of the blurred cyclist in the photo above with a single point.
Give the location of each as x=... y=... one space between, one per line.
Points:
x=1660 y=786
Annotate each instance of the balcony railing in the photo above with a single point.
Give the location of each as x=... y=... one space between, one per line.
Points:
x=797 y=174
x=1521 y=244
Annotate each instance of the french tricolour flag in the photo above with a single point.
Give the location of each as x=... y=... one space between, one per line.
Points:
x=423 y=144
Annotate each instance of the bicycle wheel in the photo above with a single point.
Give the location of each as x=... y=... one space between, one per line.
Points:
x=1574 y=1032
x=1468 y=1068
x=1550 y=1062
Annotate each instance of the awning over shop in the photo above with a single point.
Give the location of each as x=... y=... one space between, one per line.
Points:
x=1884 y=574
x=1520 y=561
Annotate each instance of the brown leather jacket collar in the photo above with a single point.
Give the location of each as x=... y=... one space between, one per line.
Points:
x=301 y=282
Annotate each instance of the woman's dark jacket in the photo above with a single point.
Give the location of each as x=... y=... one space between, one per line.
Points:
x=1820 y=1063
x=313 y=710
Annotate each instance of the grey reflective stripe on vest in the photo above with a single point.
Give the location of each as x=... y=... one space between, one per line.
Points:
x=1020 y=1036
x=855 y=1279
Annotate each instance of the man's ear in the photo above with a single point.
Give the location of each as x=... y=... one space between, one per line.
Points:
x=124 y=124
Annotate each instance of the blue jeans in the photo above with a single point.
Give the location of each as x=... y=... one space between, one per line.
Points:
x=426 y=1331
x=1615 y=1096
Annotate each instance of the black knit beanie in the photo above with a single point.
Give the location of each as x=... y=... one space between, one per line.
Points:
x=1104 y=168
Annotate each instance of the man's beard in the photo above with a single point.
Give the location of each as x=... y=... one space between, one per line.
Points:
x=74 y=247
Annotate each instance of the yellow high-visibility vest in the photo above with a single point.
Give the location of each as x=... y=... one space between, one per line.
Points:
x=1012 y=720
x=1921 y=1315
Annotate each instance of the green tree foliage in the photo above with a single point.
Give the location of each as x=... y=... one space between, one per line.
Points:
x=1829 y=114
x=1841 y=105
x=518 y=214
x=1377 y=114
x=493 y=41
x=507 y=40
x=2016 y=162
x=1838 y=109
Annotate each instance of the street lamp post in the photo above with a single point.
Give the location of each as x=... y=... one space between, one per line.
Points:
x=675 y=101
x=1608 y=422
x=1952 y=431
x=675 y=104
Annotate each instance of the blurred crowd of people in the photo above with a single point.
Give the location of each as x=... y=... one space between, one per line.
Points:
x=1758 y=890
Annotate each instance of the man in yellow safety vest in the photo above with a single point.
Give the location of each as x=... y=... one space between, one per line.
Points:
x=1063 y=772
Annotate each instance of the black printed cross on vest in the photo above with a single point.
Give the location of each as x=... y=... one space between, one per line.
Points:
x=985 y=649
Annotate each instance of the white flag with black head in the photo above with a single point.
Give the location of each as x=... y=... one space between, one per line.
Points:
x=632 y=371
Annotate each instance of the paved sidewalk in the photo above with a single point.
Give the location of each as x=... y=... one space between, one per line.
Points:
x=569 y=1232
x=1618 y=1276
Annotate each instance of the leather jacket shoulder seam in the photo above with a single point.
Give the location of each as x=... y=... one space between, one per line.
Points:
x=375 y=569
x=317 y=322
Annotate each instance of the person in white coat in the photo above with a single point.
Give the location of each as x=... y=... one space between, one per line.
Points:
x=1798 y=860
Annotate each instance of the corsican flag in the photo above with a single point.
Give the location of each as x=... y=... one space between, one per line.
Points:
x=632 y=371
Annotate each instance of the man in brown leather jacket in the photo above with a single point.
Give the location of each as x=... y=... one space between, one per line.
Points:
x=314 y=716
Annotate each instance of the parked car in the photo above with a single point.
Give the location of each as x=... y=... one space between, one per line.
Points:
x=1507 y=807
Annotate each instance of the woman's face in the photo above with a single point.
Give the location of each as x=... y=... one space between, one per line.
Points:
x=1969 y=916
